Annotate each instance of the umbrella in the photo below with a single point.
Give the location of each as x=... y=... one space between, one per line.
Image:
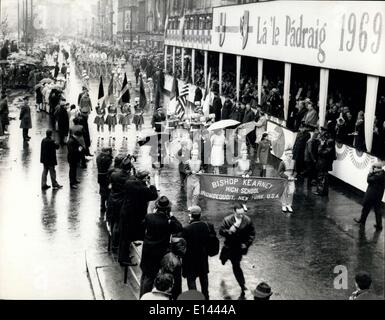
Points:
x=46 y=80
x=223 y=124
x=247 y=127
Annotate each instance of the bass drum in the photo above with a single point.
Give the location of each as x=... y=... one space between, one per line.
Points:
x=174 y=147
x=176 y=144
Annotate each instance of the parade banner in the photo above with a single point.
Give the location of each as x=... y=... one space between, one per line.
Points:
x=233 y=188
x=327 y=34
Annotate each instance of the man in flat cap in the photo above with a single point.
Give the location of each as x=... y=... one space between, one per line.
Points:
x=159 y=226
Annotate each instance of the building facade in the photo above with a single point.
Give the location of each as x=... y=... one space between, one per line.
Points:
x=142 y=22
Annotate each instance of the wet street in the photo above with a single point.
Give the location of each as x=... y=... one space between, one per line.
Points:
x=44 y=234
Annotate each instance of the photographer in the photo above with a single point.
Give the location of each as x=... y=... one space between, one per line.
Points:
x=373 y=196
x=137 y=193
x=159 y=226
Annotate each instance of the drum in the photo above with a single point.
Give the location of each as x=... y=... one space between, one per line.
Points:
x=174 y=147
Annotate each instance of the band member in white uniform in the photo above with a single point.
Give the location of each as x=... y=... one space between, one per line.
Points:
x=286 y=170
x=193 y=169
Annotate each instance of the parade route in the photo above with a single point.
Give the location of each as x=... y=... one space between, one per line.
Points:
x=209 y=151
x=50 y=238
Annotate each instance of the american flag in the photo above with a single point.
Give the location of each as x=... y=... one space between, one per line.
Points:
x=182 y=101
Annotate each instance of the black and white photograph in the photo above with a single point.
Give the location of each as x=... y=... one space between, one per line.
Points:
x=211 y=150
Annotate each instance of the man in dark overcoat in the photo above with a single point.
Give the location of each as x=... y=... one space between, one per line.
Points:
x=74 y=156
x=195 y=261
x=239 y=233
x=117 y=179
x=86 y=133
x=103 y=162
x=53 y=101
x=249 y=114
x=159 y=227
x=311 y=156
x=63 y=70
x=25 y=119
x=227 y=108
x=326 y=157
x=56 y=70
x=137 y=72
x=198 y=94
x=299 y=149
x=300 y=114
x=201 y=139
x=236 y=112
x=373 y=195
x=49 y=161
x=158 y=123
x=138 y=193
x=80 y=96
x=63 y=123
x=157 y=120
x=4 y=112
x=217 y=107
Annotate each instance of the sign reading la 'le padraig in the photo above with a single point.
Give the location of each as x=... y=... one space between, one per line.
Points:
x=328 y=34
